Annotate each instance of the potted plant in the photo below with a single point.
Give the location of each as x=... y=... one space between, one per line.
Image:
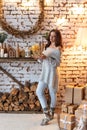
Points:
x=46 y=35
x=3 y=36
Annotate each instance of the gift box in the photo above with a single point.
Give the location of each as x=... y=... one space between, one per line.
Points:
x=79 y=115
x=81 y=124
x=81 y=112
x=86 y=91
x=64 y=107
x=69 y=91
x=83 y=109
x=78 y=95
x=84 y=102
x=72 y=108
x=67 y=121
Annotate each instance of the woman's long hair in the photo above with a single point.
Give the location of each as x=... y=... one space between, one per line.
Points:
x=58 y=38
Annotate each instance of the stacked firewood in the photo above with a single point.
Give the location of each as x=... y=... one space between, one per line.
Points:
x=21 y=99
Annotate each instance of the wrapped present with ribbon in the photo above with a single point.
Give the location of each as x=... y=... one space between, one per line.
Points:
x=81 y=117
x=81 y=112
x=64 y=107
x=78 y=114
x=81 y=125
x=72 y=108
x=67 y=121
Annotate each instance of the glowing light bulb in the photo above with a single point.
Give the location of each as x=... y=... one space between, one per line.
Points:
x=60 y=21
x=77 y=9
x=27 y=3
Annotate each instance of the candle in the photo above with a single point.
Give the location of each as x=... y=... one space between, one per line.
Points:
x=2 y=52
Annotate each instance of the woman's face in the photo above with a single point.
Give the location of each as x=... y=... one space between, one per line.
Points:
x=52 y=37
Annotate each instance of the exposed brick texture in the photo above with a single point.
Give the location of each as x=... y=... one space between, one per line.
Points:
x=73 y=67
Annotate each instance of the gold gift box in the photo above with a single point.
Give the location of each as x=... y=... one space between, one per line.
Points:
x=64 y=107
x=67 y=121
x=72 y=108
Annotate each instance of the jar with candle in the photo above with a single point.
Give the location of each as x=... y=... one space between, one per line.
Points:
x=2 y=51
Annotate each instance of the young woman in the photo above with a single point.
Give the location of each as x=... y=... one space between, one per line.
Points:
x=49 y=77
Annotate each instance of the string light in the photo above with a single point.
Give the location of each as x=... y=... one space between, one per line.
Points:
x=48 y=2
x=77 y=9
x=60 y=21
x=27 y=3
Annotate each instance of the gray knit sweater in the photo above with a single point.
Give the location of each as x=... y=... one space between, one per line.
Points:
x=49 y=74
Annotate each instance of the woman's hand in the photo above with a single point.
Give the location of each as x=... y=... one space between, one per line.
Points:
x=42 y=56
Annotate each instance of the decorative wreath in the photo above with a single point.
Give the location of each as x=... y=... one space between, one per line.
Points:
x=19 y=33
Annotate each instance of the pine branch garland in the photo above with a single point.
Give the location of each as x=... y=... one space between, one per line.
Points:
x=18 y=33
